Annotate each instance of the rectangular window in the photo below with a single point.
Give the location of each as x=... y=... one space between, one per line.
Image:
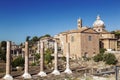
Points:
x=89 y=38
x=72 y=38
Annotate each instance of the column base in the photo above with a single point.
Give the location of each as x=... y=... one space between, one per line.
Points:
x=68 y=71
x=26 y=76
x=56 y=72
x=8 y=77
x=42 y=74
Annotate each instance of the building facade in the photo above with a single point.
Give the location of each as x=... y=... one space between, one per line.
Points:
x=85 y=41
x=107 y=39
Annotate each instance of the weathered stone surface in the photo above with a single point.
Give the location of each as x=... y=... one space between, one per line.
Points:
x=8 y=71
x=56 y=72
x=26 y=75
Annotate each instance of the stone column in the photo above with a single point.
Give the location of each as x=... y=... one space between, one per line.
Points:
x=42 y=73
x=55 y=72
x=17 y=52
x=38 y=46
x=68 y=71
x=8 y=76
x=26 y=75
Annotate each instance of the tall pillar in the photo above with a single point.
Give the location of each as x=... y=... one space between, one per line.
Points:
x=17 y=52
x=26 y=75
x=38 y=46
x=68 y=71
x=8 y=76
x=55 y=72
x=42 y=73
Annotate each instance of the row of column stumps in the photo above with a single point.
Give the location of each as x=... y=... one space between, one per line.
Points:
x=26 y=74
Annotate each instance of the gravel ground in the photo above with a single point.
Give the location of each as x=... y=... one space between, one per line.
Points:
x=62 y=76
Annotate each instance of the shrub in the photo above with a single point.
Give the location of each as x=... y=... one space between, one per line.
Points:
x=2 y=55
x=33 y=64
x=107 y=58
x=110 y=59
x=86 y=58
x=64 y=58
x=98 y=57
x=37 y=56
x=102 y=50
x=48 y=57
x=19 y=61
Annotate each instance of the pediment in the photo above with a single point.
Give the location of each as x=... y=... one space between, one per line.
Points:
x=89 y=30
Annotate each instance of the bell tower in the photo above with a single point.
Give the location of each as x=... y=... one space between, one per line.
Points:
x=79 y=23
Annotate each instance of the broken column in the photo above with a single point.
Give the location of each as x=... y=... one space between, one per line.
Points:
x=8 y=76
x=68 y=71
x=42 y=73
x=55 y=72
x=26 y=75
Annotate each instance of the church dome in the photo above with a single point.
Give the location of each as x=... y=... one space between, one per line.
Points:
x=98 y=22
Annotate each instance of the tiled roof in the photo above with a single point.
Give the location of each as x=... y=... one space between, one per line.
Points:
x=82 y=30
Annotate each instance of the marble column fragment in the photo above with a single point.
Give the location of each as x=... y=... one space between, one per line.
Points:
x=26 y=75
x=42 y=73
x=8 y=71
x=67 y=70
x=55 y=72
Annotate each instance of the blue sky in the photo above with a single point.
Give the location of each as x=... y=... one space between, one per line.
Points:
x=21 y=18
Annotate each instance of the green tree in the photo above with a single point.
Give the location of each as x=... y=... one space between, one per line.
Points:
x=2 y=55
x=98 y=57
x=102 y=50
x=117 y=34
x=107 y=58
x=35 y=39
x=3 y=50
x=3 y=44
x=27 y=38
x=48 y=57
x=37 y=56
x=46 y=35
x=19 y=61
